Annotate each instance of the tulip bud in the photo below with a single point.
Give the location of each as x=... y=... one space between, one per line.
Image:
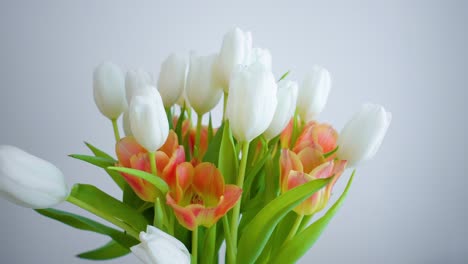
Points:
x=313 y=93
x=126 y=124
x=252 y=101
x=109 y=91
x=262 y=56
x=136 y=83
x=171 y=80
x=363 y=134
x=287 y=97
x=148 y=120
x=29 y=181
x=235 y=49
x=157 y=247
x=203 y=91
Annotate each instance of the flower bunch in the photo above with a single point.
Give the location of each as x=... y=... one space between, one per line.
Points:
x=253 y=182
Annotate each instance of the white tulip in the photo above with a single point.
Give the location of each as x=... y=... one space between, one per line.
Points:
x=287 y=97
x=203 y=91
x=363 y=134
x=171 y=80
x=235 y=50
x=157 y=247
x=136 y=83
x=148 y=120
x=126 y=124
x=252 y=101
x=262 y=56
x=109 y=90
x=313 y=93
x=29 y=181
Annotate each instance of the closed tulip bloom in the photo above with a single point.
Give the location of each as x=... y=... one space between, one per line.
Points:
x=148 y=120
x=109 y=90
x=363 y=134
x=313 y=93
x=262 y=56
x=235 y=50
x=158 y=247
x=203 y=91
x=252 y=101
x=29 y=181
x=126 y=124
x=171 y=80
x=137 y=83
x=287 y=97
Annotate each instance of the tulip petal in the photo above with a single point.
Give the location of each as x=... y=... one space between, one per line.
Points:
x=126 y=148
x=209 y=183
x=310 y=158
x=289 y=161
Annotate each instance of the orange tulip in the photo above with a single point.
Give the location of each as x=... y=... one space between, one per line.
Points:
x=132 y=155
x=293 y=174
x=199 y=195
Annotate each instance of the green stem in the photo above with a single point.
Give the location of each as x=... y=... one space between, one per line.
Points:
x=152 y=157
x=231 y=259
x=194 y=245
x=128 y=229
x=295 y=227
x=225 y=97
x=198 y=135
x=240 y=183
x=116 y=129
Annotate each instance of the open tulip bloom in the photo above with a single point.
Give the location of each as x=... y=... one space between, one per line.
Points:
x=254 y=182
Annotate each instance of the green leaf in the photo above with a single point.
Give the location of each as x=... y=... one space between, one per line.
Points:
x=227 y=160
x=180 y=121
x=258 y=231
x=328 y=154
x=284 y=76
x=116 y=177
x=294 y=249
x=131 y=198
x=212 y=154
x=209 y=244
x=99 y=153
x=107 y=207
x=210 y=129
x=87 y=224
x=159 y=183
x=169 y=118
x=97 y=161
x=108 y=251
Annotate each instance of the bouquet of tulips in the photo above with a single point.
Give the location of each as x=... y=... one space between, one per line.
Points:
x=254 y=182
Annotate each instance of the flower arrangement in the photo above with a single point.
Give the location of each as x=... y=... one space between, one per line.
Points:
x=255 y=182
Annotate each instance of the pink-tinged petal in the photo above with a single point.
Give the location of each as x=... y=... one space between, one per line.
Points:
x=140 y=162
x=126 y=148
x=161 y=162
x=325 y=136
x=184 y=176
x=310 y=158
x=338 y=168
x=310 y=205
x=232 y=194
x=288 y=161
x=323 y=171
x=184 y=215
x=208 y=180
x=171 y=144
x=306 y=139
x=286 y=135
x=177 y=158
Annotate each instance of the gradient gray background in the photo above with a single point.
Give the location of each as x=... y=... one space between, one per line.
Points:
x=408 y=205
